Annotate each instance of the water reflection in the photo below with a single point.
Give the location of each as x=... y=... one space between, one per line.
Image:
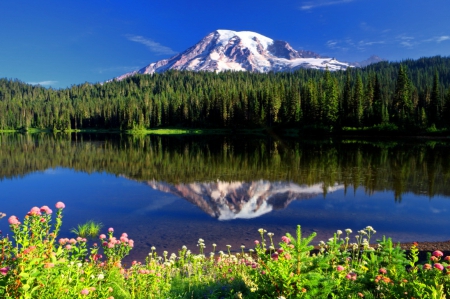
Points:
x=400 y=188
x=242 y=200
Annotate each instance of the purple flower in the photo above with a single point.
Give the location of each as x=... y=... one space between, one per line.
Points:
x=4 y=270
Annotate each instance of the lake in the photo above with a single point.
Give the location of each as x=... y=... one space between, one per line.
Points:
x=169 y=191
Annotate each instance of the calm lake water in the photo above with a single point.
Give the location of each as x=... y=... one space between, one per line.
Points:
x=170 y=191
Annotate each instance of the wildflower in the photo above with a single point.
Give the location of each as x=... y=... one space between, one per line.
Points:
x=34 y=211
x=261 y=230
x=102 y=236
x=49 y=265
x=46 y=210
x=4 y=270
x=256 y=242
x=361 y=295
x=275 y=256
x=13 y=220
x=339 y=232
x=110 y=229
x=270 y=234
x=228 y=246
x=340 y=268
x=438 y=253
x=153 y=248
x=60 y=205
x=426 y=266
x=285 y=239
x=287 y=256
x=84 y=292
x=382 y=270
x=348 y=231
x=438 y=266
x=68 y=247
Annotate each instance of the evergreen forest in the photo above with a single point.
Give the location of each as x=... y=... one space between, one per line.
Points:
x=412 y=96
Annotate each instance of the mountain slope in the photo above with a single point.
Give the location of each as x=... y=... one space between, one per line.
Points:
x=224 y=50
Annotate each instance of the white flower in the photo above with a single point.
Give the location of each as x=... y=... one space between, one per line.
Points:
x=184 y=247
x=242 y=246
x=79 y=265
x=339 y=232
x=348 y=231
x=101 y=276
x=270 y=234
x=153 y=248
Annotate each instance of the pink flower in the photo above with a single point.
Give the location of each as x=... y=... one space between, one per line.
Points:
x=84 y=292
x=110 y=229
x=125 y=235
x=60 y=205
x=287 y=256
x=4 y=270
x=438 y=253
x=42 y=220
x=382 y=271
x=340 y=268
x=285 y=239
x=34 y=211
x=46 y=210
x=49 y=265
x=13 y=220
x=447 y=258
x=102 y=236
x=68 y=247
x=439 y=266
x=131 y=243
x=426 y=266
x=275 y=256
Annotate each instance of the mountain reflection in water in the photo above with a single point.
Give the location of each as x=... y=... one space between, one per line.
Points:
x=242 y=200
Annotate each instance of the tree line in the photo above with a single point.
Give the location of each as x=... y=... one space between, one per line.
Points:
x=411 y=94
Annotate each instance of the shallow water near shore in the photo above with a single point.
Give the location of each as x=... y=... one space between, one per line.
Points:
x=169 y=192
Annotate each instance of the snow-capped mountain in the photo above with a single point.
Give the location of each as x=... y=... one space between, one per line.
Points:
x=224 y=50
x=242 y=200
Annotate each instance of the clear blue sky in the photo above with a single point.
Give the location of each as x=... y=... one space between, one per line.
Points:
x=59 y=43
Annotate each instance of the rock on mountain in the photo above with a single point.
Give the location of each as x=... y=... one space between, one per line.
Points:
x=224 y=50
x=242 y=200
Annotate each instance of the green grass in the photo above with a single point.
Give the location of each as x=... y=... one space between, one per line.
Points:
x=90 y=229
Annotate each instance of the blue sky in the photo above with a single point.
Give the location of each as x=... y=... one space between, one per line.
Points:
x=59 y=43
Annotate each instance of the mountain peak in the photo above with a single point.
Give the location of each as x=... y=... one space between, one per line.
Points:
x=223 y=50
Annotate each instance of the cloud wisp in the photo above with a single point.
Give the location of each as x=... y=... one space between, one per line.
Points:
x=438 y=39
x=44 y=83
x=153 y=46
x=312 y=5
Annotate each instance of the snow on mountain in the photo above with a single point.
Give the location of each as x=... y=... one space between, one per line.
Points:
x=371 y=60
x=242 y=200
x=224 y=50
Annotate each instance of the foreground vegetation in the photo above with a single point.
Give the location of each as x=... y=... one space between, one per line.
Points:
x=36 y=264
x=411 y=97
